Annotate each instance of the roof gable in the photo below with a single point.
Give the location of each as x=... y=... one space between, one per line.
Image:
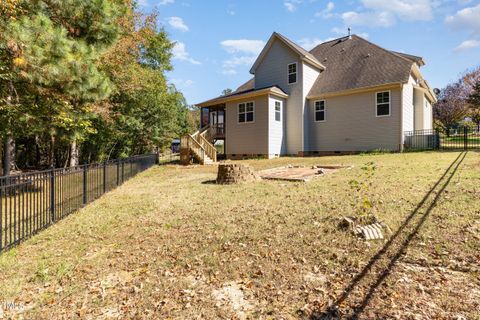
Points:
x=304 y=54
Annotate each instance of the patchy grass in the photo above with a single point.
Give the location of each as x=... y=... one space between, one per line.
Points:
x=168 y=245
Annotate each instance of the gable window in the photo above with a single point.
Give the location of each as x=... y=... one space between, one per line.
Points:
x=383 y=103
x=246 y=112
x=278 y=111
x=292 y=73
x=320 y=111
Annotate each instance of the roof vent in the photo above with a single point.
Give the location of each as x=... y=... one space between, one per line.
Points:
x=343 y=50
x=368 y=55
x=349 y=33
x=324 y=60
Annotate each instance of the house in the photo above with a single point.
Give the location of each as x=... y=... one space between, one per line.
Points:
x=345 y=95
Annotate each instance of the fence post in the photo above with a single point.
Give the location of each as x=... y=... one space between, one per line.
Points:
x=437 y=139
x=465 y=140
x=123 y=171
x=118 y=172
x=85 y=168
x=104 y=177
x=52 y=195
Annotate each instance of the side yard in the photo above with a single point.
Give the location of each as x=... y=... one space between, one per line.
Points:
x=170 y=244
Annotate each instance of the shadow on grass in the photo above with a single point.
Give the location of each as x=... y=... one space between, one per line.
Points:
x=209 y=182
x=362 y=287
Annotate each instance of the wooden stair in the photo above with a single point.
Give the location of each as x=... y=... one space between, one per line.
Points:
x=199 y=147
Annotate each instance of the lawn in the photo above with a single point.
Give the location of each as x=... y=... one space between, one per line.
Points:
x=170 y=244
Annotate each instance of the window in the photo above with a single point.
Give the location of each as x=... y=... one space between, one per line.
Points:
x=278 y=111
x=320 y=110
x=246 y=112
x=383 y=103
x=292 y=73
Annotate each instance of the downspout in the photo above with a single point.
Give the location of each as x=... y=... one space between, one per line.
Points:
x=400 y=149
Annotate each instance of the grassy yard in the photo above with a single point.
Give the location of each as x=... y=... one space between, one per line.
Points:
x=169 y=244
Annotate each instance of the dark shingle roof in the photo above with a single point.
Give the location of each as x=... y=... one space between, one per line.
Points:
x=250 y=84
x=357 y=63
x=416 y=59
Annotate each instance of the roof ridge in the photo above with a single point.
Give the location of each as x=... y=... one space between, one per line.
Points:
x=381 y=48
x=336 y=39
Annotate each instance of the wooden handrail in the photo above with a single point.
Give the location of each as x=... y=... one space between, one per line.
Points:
x=208 y=147
x=199 y=144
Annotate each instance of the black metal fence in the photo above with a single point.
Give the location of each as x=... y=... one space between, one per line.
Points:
x=454 y=139
x=30 y=202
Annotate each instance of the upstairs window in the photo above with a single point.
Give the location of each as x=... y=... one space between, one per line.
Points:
x=292 y=73
x=383 y=103
x=320 y=111
x=278 y=111
x=246 y=112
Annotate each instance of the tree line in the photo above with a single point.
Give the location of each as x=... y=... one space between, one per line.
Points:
x=458 y=103
x=84 y=81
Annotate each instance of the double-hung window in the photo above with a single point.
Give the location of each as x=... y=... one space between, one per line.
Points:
x=320 y=111
x=292 y=73
x=246 y=112
x=383 y=103
x=278 y=111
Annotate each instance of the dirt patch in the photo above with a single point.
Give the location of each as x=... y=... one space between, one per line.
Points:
x=298 y=173
x=232 y=295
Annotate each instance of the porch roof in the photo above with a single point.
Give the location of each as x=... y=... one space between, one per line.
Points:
x=274 y=90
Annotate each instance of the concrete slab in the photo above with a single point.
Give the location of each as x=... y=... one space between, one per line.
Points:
x=298 y=173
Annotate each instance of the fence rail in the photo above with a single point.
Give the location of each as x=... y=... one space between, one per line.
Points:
x=30 y=202
x=454 y=139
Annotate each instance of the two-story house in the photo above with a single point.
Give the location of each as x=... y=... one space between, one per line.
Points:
x=345 y=95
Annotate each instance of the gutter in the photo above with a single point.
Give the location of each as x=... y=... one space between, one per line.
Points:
x=272 y=91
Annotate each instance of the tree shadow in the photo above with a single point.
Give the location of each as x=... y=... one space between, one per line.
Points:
x=381 y=264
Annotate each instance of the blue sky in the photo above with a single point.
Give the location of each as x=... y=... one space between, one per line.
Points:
x=217 y=41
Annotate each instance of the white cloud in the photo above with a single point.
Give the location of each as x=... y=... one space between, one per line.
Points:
x=177 y=23
x=164 y=2
x=243 y=52
x=182 y=83
x=382 y=13
x=142 y=3
x=327 y=12
x=372 y=19
x=230 y=65
x=230 y=12
x=363 y=35
x=243 y=45
x=180 y=53
x=468 y=18
x=310 y=43
x=467 y=44
x=229 y=72
x=291 y=5
x=409 y=10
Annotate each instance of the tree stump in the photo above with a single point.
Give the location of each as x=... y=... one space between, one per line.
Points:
x=236 y=173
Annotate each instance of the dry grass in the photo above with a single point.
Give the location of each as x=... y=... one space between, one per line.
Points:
x=168 y=245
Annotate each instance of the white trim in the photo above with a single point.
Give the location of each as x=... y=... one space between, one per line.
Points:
x=288 y=73
x=389 y=104
x=238 y=112
x=275 y=110
x=324 y=110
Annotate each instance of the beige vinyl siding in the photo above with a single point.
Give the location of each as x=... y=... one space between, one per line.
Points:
x=276 y=145
x=423 y=111
x=273 y=71
x=251 y=137
x=419 y=109
x=310 y=75
x=428 y=115
x=273 y=68
x=408 y=109
x=351 y=124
